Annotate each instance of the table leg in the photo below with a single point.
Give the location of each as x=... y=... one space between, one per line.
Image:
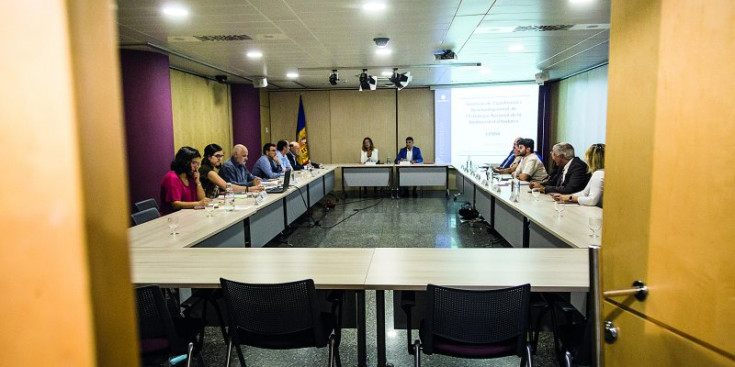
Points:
x=380 y=326
x=361 y=326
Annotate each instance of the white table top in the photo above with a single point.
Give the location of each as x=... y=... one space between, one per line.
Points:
x=547 y=270
x=202 y=268
x=572 y=227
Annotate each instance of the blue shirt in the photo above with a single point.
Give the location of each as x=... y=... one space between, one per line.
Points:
x=267 y=168
x=509 y=160
x=284 y=161
x=236 y=173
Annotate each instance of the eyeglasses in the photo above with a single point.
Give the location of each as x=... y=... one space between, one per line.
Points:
x=219 y=155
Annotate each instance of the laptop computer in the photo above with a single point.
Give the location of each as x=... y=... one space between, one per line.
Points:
x=286 y=182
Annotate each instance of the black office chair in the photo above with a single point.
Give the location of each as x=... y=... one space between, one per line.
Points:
x=146 y=204
x=572 y=332
x=144 y=216
x=162 y=337
x=279 y=316
x=474 y=324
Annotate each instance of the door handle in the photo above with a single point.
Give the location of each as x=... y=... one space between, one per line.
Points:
x=639 y=290
x=611 y=332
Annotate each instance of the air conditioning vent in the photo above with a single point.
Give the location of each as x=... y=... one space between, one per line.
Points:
x=543 y=28
x=224 y=38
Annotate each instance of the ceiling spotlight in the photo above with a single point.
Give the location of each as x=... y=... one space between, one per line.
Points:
x=367 y=82
x=254 y=54
x=334 y=77
x=400 y=80
x=381 y=41
x=292 y=75
x=175 y=11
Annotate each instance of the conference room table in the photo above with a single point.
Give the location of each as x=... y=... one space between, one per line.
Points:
x=393 y=176
x=184 y=261
x=529 y=222
x=381 y=269
x=259 y=222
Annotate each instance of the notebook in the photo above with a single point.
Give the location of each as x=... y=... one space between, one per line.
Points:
x=286 y=182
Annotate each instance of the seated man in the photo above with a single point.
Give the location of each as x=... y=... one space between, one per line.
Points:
x=281 y=151
x=571 y=172
x=235 y=172
x=509 y=164
x=268 y=166
x=530 y=168
x=293 y=155
x=409 y=153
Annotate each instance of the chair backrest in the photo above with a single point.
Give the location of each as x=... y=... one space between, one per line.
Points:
x=146 y=204
x=154 y=319
x=145 y=215
x=477 y=316
x=272 y=309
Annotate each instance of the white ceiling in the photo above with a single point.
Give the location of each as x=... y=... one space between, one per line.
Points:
x=312 y=37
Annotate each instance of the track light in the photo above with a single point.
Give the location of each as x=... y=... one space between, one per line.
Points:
x=333 y=78
x=400 y=80
x=367 y=82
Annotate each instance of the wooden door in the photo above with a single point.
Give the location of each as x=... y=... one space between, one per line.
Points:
x=670 y=183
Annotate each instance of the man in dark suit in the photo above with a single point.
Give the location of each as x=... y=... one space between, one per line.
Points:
x=571 y=173
x=293 y=153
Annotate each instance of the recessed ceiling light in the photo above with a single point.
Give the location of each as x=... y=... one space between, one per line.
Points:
x=292 y=75
x=383 y=51
x=373 y=6
x=254 y=54
x=175 y=11
x=387 y=73
x=516 y=48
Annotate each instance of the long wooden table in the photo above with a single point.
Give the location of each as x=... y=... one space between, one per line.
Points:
x=159 y=258
x=530 y=223
x=260 y=223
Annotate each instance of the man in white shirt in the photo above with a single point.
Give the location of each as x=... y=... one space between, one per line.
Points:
x=531 y=168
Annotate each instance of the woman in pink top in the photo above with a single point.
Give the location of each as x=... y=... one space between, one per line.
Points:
x=180 y=188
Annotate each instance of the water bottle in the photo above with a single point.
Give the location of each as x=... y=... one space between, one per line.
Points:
x=229 y=198
x=516 y=190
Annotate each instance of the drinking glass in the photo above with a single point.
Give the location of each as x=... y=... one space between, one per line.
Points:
x=559 y=206
x=215 y=192
x=173 y=222
x=536 y=193
x=595 y=223
x=209 y=208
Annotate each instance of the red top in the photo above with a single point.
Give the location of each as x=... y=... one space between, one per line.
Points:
x=173 y=189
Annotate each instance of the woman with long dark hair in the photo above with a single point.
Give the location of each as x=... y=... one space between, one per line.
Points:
x=180 y=187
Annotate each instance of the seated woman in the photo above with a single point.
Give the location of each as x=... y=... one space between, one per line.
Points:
x=180 y=188
x=212 y=182
x=592 y=194
x=369 y=153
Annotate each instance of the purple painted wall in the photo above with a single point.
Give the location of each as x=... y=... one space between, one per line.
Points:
x=148 y=121
x=246 y=119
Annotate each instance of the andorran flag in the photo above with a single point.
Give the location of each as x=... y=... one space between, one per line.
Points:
x=303 y=157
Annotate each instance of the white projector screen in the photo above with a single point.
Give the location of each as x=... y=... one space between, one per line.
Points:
x=481 y=123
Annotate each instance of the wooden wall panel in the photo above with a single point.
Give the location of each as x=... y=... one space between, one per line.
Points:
x=356 y=115
x=284 y=116
x=201 y=111
x=416 y=119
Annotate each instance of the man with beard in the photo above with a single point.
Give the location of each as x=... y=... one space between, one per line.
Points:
x=235 y=172
x=268 y=166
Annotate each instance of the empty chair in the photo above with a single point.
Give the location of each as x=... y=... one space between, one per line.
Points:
x=163 y=338
x=279 y=316
x=144 y=216
x=474 y=324
x=146 y=204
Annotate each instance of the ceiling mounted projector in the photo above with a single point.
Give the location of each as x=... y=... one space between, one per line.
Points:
x=400 y=80
x=367 y=82
x=334 y=77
